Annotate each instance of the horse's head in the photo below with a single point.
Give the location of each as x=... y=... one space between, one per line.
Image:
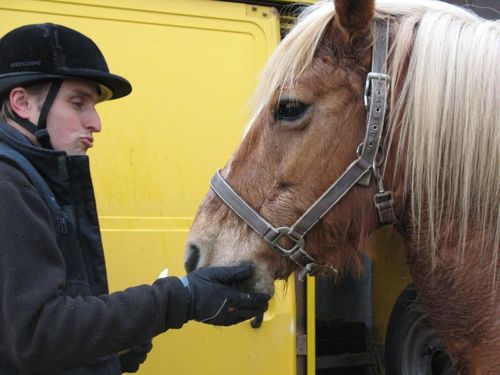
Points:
x=300 y=190
x=309 y=121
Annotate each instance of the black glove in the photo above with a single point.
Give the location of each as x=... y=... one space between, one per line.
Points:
x=132 y=359
x=215 y=301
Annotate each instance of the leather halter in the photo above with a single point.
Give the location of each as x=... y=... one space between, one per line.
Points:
x=359 y=172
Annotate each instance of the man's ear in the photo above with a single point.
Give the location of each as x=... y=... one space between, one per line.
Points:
x=353 y=17
x=21 y=102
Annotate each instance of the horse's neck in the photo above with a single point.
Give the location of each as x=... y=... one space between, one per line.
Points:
x=451 y=247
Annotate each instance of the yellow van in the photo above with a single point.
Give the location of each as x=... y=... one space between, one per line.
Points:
x=193 y=65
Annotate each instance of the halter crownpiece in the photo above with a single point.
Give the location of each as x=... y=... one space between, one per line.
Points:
x=359 y=172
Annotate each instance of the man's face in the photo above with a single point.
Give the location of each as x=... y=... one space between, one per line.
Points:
x=72 y=119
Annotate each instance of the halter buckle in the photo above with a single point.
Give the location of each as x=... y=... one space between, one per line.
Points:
x=384 y=203
x=368 y=85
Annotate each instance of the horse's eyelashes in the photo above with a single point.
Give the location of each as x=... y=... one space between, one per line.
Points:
x=290 y=110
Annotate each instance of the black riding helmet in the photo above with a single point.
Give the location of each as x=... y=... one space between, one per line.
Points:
x=51 y=53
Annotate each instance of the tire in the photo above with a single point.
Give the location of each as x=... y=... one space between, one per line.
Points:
x=412 y=347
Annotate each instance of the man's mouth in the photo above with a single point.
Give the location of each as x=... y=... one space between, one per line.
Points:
x=87 y=141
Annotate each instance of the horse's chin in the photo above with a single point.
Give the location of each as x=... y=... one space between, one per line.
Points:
x=264 y=282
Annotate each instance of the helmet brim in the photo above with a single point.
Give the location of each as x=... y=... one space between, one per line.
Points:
x=116 y=86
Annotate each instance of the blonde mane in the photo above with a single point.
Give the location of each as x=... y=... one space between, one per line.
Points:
x=447 y=114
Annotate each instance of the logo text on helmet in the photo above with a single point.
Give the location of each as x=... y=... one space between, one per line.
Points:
x=19 y=64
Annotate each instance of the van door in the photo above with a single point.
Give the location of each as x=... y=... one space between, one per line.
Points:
x=193 y=65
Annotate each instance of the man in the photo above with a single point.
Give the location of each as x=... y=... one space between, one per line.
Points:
x=56 y=315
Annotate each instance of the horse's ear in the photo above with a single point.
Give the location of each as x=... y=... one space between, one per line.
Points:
x=353 y=17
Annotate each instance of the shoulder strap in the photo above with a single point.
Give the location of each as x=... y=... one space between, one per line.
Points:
x=16 y=158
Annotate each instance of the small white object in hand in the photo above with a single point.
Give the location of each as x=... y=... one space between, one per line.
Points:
x=163 y=273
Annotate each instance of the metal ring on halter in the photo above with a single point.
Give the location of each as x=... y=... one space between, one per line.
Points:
x=285 y=231
x=376 y=171
x=376 y=163
x=359 y=148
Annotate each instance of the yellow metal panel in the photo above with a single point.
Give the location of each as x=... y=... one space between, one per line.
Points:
x=311 y=325
x=193 y=65
x=390 y=277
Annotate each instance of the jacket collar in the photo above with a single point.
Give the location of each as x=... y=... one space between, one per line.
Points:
x=54 y=166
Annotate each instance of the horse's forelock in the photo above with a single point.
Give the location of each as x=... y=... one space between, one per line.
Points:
x=294 y=54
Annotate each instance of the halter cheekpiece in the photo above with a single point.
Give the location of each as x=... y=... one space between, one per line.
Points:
x=359 y=172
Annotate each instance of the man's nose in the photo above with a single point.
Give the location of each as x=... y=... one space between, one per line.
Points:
x=93 y=122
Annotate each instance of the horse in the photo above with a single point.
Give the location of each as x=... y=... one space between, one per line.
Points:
x=373 y=113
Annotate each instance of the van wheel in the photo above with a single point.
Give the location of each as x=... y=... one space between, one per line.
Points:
x=412 y=347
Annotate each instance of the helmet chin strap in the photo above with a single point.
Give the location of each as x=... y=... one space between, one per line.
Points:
x=40 y=131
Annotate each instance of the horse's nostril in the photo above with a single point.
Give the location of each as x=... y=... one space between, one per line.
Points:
x=192 y=257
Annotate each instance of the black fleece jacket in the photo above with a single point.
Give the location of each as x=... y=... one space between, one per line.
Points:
x=47 y=327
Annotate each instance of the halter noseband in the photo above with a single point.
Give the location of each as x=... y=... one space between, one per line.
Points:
x=359 y=172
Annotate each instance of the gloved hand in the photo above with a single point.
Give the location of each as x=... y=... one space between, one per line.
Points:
x=215 y=301
x=132 y=359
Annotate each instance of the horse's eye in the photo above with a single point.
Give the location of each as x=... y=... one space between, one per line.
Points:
x=290 y=110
